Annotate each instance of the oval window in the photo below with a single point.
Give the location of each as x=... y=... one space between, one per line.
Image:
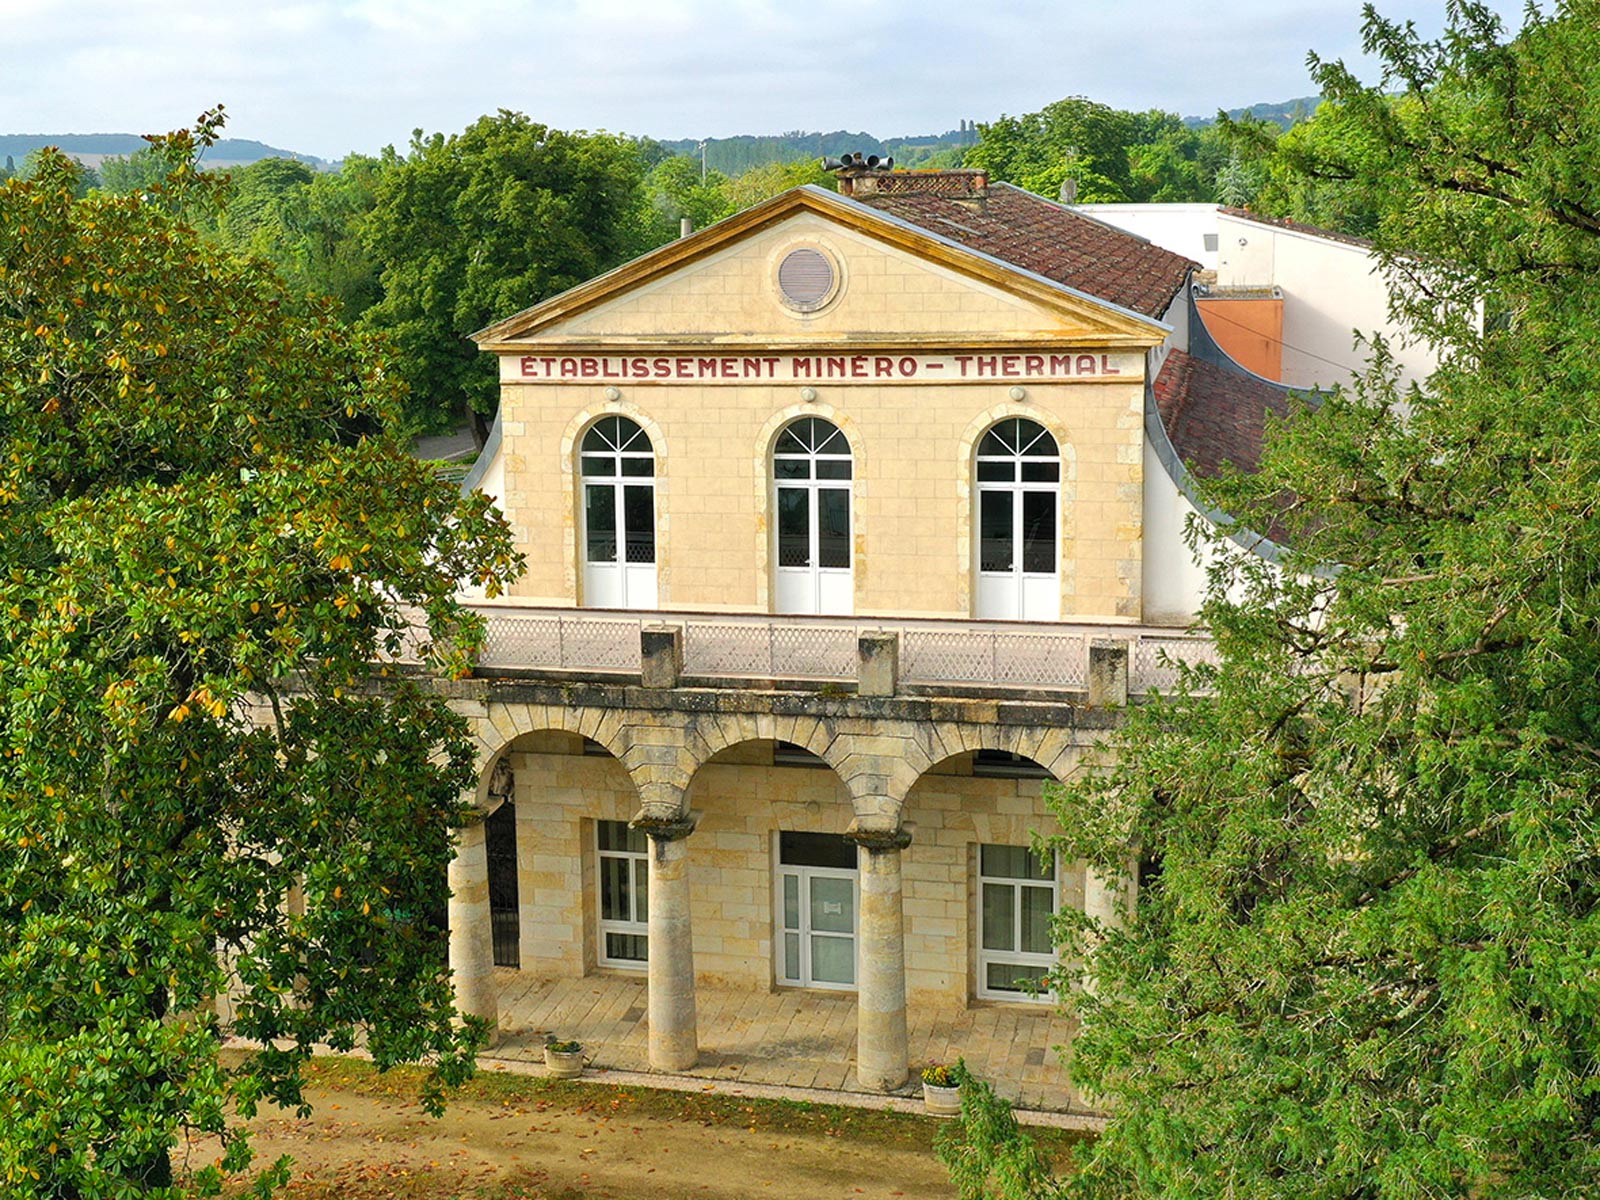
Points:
x=805 y=279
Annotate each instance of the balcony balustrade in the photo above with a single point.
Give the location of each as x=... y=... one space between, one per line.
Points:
x=933 y=655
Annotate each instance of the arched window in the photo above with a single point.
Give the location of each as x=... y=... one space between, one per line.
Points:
x=811 y=473
x=1018 y=519
x=618 y=466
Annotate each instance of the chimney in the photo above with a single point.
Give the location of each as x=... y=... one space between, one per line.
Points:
x=859 y=177
x=685 y=226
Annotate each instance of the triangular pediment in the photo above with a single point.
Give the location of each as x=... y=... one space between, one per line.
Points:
x=892 y=283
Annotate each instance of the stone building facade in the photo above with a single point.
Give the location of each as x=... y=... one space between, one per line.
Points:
x=834 y=516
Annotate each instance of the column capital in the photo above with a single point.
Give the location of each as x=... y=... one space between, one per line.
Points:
x=665 y=829
x=877 y=841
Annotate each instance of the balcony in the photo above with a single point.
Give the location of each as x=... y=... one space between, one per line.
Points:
x=919 y=656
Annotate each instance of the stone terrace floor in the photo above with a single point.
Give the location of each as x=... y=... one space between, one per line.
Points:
x=787 y=1038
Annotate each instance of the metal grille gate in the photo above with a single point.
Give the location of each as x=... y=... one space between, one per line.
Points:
x=500 y=845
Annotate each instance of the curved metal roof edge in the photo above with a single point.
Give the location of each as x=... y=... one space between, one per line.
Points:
x=480 y=466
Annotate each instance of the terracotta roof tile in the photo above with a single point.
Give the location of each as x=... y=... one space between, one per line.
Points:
x=1049 y=239
x=1214 y=416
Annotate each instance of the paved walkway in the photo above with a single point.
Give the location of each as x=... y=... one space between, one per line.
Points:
x=786 y=1038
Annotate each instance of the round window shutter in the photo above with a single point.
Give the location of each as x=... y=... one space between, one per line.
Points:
x=805 y=277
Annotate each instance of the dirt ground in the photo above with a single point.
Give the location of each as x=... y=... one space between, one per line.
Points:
x=519 y=1138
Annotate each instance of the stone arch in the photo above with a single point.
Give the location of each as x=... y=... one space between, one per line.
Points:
x=502 y=724
x=765 y=440
x=1053 y=749
x=571 y=483
x=1067 y=534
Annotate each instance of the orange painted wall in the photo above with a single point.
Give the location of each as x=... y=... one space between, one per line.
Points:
x=1251 y=331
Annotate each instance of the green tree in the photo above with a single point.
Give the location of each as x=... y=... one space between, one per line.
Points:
x=208 y=536
x=133 y=172
x=677 y=190
x=763 y=183
x=1365 y=956
x=1073 y=138
x=471 y=228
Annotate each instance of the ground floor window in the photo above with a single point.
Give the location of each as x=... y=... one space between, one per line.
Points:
x=623 y=878
x=817 y=900
x=1017 y=896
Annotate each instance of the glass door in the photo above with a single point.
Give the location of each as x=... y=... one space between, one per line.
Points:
x=617 y=463
x=817 y=902
x=1019 y=482
x=811 y=468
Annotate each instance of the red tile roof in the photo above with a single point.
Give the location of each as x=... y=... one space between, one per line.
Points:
x=1048 y=239
x=1214 y=416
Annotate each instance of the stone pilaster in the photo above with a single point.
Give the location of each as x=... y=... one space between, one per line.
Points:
x=471 y=934
x=1108 y=674
x=881 y=1044
x=673 y=1037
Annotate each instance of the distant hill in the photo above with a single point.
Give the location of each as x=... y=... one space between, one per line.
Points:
x=1285 y=112
x=736 y=155
x=92 y=149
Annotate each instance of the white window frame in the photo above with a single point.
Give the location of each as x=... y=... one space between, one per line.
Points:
x=829 y=590
x=639 y=867
x=634 y=584
x=1020 y=958
x=1017 y=594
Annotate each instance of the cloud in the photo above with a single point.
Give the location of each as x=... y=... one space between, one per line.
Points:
x=327 y=76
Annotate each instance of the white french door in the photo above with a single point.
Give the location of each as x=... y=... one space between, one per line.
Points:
x=817 y=901
x=617 y=464
x=1019 y=520
x=811 y=469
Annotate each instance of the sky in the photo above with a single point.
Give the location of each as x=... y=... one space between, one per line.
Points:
x=326 y=77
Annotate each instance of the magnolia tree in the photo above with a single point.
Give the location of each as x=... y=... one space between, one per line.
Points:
x=207 y=540
x=1365 y=955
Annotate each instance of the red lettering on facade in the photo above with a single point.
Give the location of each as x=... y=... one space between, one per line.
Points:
x=569 y=367
x=528 y=371
x=858 y=367
x=988 y=364
x=838 y=368
x=962 y=360
x=685 y=368
x=589 y=367
x=663 y=367
x=706 y=367
x=1084 y=365
x=1011 y=365
x=883 y=367
x=1106 y=368
x=908 y=366
x=1061 y=364
x=801 y=367
x=1033 y=364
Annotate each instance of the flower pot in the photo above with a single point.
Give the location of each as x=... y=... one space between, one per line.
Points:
x=941 y=1101
x=563 y=1064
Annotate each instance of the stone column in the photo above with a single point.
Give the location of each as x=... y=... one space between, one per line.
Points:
x=471 y=934
x=881 y=1045
x=673 y=1038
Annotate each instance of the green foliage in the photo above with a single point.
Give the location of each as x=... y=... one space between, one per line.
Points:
x=677 y=190
x=474 y=227
x=986 y=1152
x=207 y=536
x=134 y=172
x=1365 y=959
x=1108 y=154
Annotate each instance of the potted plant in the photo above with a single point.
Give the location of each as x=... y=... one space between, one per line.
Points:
x=941 y=1088
x=563 y=1060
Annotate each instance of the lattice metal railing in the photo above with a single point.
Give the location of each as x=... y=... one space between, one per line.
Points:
x=932 y=653
x=562 y=643
x=769 y=650
x=1154 y=660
